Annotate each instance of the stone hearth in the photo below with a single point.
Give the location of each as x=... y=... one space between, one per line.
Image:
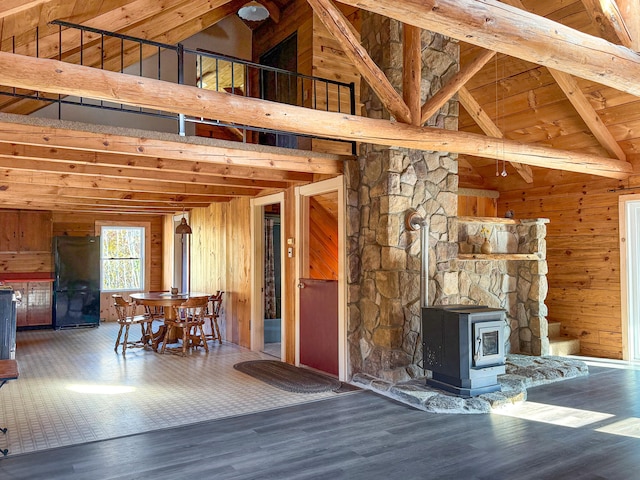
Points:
x=522 y=372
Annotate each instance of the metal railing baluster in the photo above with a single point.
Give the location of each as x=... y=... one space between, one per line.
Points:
x=268 y=77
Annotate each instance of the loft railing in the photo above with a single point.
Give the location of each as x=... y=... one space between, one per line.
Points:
x=105 y=50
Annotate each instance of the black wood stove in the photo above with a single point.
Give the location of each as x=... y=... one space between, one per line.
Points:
x=463 y=345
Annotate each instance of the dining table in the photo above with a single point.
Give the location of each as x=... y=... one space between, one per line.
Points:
x=167 y=301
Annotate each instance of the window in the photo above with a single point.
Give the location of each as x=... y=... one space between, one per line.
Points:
x=122 y=256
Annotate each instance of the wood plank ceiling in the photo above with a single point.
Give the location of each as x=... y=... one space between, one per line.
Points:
x=573 y=118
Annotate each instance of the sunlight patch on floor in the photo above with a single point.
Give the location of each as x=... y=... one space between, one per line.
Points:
x=554 y=415
x=100 y=389
x=629 y=427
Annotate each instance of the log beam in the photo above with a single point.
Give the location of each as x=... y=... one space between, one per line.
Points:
x=412 y=71
x=496 y=26
x=443 y=95
x=58 y=77
x=588 y=114
x=630 y=13
x=340 y=28
x=476 y=112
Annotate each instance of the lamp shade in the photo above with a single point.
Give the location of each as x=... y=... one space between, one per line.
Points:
x=254 y=12
x=183 y=228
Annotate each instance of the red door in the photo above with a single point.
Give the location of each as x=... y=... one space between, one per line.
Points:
x=319 y=324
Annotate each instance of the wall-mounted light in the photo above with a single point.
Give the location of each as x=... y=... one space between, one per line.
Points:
x=254 y=12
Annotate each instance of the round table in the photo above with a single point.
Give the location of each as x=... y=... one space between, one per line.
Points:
x=167 y=301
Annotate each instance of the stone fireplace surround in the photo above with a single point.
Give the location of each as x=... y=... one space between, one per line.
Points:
x=513 y=277
x=385 y=258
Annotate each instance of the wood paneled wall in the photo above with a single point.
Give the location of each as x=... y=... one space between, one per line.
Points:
x=476 y=206
x=30 y=262
x=583 y=257
x=323 y=242
x=221 y=260
x=83 y=224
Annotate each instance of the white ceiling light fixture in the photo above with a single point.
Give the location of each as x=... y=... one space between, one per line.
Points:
x=254 y=12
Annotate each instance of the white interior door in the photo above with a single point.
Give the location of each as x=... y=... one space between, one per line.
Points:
x=630 y=275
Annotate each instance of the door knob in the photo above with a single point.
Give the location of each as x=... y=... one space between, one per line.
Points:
x=301 y=285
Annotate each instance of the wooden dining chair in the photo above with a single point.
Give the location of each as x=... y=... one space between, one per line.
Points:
x=187 y=325
x=127 y=317
x=155 y=311
x=213 y=313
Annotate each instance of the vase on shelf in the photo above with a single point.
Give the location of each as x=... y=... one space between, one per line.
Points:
x=485 y=248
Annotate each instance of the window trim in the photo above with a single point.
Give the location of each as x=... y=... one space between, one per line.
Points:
x=147 y=248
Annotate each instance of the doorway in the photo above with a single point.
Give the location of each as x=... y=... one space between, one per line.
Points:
x=268 y=322
x=629 y=213
x=180 y=256
x=320 y=265
x=276 y=85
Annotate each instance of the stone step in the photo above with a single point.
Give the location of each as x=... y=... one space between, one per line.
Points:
x=564 y=345
x=554 y=329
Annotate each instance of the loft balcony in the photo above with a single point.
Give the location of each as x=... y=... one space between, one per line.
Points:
x=202 y=68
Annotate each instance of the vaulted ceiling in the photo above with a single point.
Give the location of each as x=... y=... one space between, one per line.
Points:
x=555 y=98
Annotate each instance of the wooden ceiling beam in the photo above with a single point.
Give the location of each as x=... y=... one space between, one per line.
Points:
x=338 y=25
x=77 y=161
x=579 y=101
x=273 y=8
x=11 y=7
x=58 y=77
x=77 y=209
x=496 y=26
x=610 y=22
x=195 y=17
x=588 y=114
x=412 y=71
x=8 y=196
x=475 y=110
x=630 y=13
x=27 y=189
x=124 y=173
x=9 y=175
x=443 y=95
x=115 y=20
x=458 y=81
x=254 y=162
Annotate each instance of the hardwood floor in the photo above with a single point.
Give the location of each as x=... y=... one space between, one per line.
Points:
x=585 y=428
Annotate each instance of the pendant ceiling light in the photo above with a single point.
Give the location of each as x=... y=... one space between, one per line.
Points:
x=183 y=228
x=254 y=12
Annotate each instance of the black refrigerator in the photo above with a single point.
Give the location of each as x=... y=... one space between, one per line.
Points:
x=76 y=290
x=7 y=323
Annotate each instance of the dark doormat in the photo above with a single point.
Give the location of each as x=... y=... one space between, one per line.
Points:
x=288 y=377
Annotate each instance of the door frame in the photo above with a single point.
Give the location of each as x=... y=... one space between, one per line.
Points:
x=302 y=195
x=257 y=269
x=625 y=281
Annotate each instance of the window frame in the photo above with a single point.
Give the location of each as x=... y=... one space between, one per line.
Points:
x=146 y=251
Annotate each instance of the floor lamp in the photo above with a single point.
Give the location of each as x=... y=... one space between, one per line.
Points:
x=184 y=229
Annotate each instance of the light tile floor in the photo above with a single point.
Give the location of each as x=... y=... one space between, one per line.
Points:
x=73 y=388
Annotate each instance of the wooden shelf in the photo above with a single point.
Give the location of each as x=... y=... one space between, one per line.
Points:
x=499 y=256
